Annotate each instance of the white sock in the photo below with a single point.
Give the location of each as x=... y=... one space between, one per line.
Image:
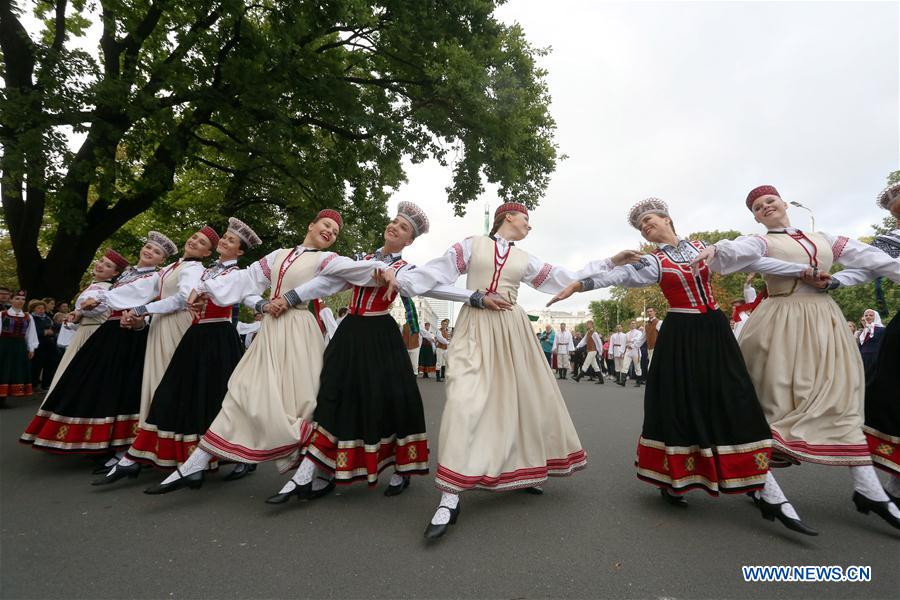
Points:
x=865 y=481
x=396 y=479
x=773 y=495
x=125 y=462
x=893 y=486
x=442 y=515
x=196 y=462
x=111 y=462
x=120 y=454
x=302 y=476
x=322 y=481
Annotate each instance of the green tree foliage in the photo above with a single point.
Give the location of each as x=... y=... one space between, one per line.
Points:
x=269 y=111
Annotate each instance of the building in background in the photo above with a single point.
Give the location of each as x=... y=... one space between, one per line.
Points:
x=429 y=310
x=554 y=318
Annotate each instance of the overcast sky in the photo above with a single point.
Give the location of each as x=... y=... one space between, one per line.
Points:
x=697 y=103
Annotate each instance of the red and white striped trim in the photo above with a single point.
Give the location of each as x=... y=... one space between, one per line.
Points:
x=453 y=482
x=823 y=454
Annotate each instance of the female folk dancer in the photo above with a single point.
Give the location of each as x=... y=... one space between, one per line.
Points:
x=95 y=405
x=190 y=393
x=267 y=411
x=815 y=410
x=110 y=266
x=505 y=424
x=703 y=425
x=369 y=414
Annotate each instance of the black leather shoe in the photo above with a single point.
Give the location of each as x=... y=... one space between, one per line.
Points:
x=102 y=468
x=396 y=490
x=577 y=378
x=315 y=494
x=193 y=481
x=240 y=471
x=620 y=381
x=433 y=532
x=302 y=492
x=534 y=490
x=637 y=384
x=600 y=381
x=673 y=499
x=894 y=499
x=770 y=512
x=117 y=472
x=880 y=508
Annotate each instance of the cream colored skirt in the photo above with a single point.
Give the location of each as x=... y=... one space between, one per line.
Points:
x=81 y=336
x=808 y=375
x=505 y=423
x=163 y=338
x=268 y=410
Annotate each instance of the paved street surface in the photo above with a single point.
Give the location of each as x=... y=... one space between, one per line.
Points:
x=600 y=533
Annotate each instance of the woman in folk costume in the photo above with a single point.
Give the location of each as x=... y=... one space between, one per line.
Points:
x=505 y=424
x=882 y=423
x=267 y=411
x=427 y=356
x=95 y=405
x=190 y=393
x=870 y=338
x=87 y=321
x=807 y=371
x=369 y=413
x=703 y=424
x=18 y=341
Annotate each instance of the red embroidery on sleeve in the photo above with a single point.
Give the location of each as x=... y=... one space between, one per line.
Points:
x=460 y=258
x=265 y=268
x=542 y=275
x=838 y=248
x=325 y=261
x=765 y=243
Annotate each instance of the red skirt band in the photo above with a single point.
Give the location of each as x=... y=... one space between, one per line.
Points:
x=356 y=461
x=727 y=469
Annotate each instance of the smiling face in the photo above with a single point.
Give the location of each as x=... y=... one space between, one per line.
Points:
x=151 y=255
x=398 y=234
x=105 y=269
x=322 y=233
x=869 y=316
x=197 y=246
x=771 y=211
x=229 y=247
x=656 y=228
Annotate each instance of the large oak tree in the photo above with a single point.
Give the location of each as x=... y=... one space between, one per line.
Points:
x=269 y=110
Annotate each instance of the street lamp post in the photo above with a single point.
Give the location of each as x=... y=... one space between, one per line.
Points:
x=812 y=217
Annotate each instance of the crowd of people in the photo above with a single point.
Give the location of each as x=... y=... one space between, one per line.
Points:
x=157 y=373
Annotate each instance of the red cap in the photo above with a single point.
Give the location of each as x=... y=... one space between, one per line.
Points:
x=117 y=258
x=211 y=235
x=511 y=207
x=332 y=214
x=763 y=190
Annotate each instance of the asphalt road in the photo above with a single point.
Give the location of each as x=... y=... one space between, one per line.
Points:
x=600 y=533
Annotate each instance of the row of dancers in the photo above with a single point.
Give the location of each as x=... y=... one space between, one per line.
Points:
x=178 y=394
